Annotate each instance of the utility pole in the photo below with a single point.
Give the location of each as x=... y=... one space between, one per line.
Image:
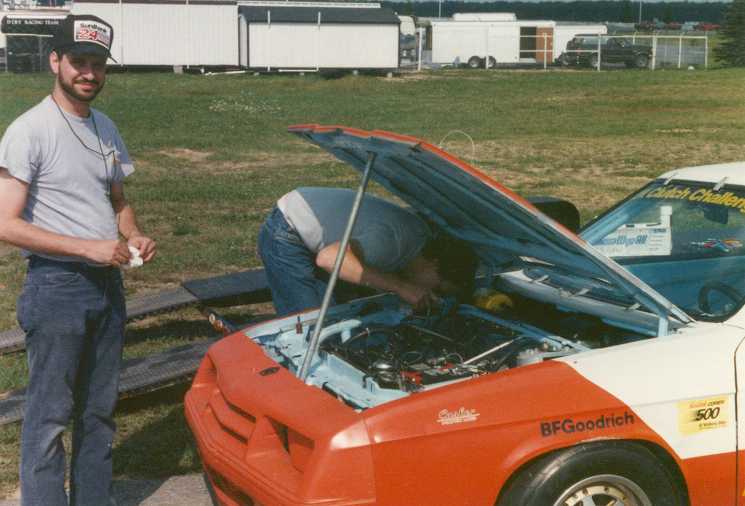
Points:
x=640 y=11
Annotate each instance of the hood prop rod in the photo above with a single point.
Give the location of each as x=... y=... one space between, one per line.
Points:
x=315 y=338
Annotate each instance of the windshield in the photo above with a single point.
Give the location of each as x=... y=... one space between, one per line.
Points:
x=685 y=240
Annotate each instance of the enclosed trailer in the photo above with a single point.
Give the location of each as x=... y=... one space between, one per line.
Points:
x=276 y=37
x=25 y=38
x=480 y=39
x=186 y=33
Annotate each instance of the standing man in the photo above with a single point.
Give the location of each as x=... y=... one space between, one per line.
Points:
x=62 y=165
x=391 y=249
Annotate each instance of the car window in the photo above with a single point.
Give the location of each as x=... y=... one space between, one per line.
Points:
x=685 y=240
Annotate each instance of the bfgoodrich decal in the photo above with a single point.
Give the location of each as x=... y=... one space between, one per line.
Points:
x=573 y=425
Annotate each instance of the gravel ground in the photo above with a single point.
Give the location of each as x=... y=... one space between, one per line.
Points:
x=186 y=490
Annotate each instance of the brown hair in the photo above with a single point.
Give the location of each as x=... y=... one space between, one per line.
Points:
x=456 y=262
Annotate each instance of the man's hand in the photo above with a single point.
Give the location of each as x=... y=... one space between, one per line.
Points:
x=422 y=299
x=144 y=245
x=114 y=253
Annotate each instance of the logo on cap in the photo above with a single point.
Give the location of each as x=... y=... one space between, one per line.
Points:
x=91 y=31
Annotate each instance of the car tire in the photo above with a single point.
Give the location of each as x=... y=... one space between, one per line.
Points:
x=599 y=472
x=492 y=62
x=641 y=61
x=593 y=61
x=474 y=62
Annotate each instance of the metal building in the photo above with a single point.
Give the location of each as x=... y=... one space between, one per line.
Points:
x=169 y=32
x=25 y=36
x=300 y=36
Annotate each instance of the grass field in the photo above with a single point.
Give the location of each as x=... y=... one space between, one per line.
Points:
x=212 y=156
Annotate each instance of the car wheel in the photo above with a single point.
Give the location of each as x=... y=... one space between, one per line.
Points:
x=607 y=473
x=474 y=62
x=593 y=61
x=492 y=62
x=641 y=61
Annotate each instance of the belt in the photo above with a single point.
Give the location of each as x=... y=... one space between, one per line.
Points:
x=39 y=261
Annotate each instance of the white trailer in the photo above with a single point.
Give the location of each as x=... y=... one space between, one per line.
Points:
x=489 y=39
x=197 y=33
x=296 y=37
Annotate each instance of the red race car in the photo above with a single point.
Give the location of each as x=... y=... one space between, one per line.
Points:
x=609 y=373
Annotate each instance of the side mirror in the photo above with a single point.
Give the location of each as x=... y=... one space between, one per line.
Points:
x=559 y=210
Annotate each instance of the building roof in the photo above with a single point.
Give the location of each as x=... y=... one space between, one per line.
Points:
x=337 y=15
x=31 y=23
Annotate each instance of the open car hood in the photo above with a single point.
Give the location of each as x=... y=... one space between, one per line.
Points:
x=505 y=230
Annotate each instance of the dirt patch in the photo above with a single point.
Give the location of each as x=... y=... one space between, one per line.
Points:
x=411 y=76
x=266 y=160
x=251 y=161
x=675 y=131
x=186 y=154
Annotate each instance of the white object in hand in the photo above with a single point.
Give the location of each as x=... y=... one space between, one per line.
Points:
x=135 y=260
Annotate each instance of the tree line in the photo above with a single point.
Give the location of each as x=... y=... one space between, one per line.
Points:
x=624 y=11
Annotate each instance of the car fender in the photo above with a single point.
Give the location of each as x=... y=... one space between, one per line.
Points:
x=476 y=433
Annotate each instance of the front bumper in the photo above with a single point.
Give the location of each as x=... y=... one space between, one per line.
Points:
x=268 y=439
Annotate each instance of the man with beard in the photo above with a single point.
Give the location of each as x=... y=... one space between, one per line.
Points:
x=62 y=166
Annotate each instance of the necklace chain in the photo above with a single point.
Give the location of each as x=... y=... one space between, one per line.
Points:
x=98 y=152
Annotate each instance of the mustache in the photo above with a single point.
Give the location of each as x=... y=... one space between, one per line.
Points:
x=87 y=81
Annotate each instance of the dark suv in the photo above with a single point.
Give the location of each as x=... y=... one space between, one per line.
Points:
x=583 y=50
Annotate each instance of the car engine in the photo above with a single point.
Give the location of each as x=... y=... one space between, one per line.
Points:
x=376 y=353
x=418 y=353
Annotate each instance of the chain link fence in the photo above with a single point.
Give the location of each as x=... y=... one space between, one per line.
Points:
x=25 y=47
x=592 y=51
x=26 y=54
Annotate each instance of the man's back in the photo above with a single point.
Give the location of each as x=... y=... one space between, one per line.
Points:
x=388 y=235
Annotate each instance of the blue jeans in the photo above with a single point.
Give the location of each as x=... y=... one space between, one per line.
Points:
x=294 y=279
x=73 y=315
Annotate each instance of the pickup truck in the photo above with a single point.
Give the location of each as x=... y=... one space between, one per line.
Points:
x=584 y=50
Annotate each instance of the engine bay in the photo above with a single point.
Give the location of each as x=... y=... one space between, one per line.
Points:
x=379 y=350
x=415 y=354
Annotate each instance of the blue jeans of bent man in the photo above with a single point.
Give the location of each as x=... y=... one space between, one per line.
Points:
x=294 y=279
x=73 y=315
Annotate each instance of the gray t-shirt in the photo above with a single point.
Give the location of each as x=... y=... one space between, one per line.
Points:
x=59 y=156
x=389 y=236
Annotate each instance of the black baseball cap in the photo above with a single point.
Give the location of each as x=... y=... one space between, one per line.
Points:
x=84 y=34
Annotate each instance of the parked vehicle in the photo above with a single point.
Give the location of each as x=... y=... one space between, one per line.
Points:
x=611 y=374
x=586 y=49
x=479 y=40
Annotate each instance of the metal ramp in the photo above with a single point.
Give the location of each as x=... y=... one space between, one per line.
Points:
x=168 y=367
x=245 y=287
x=138 y=375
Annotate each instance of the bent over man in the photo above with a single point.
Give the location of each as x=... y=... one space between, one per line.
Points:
x=391 y=249
x=62 y=202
